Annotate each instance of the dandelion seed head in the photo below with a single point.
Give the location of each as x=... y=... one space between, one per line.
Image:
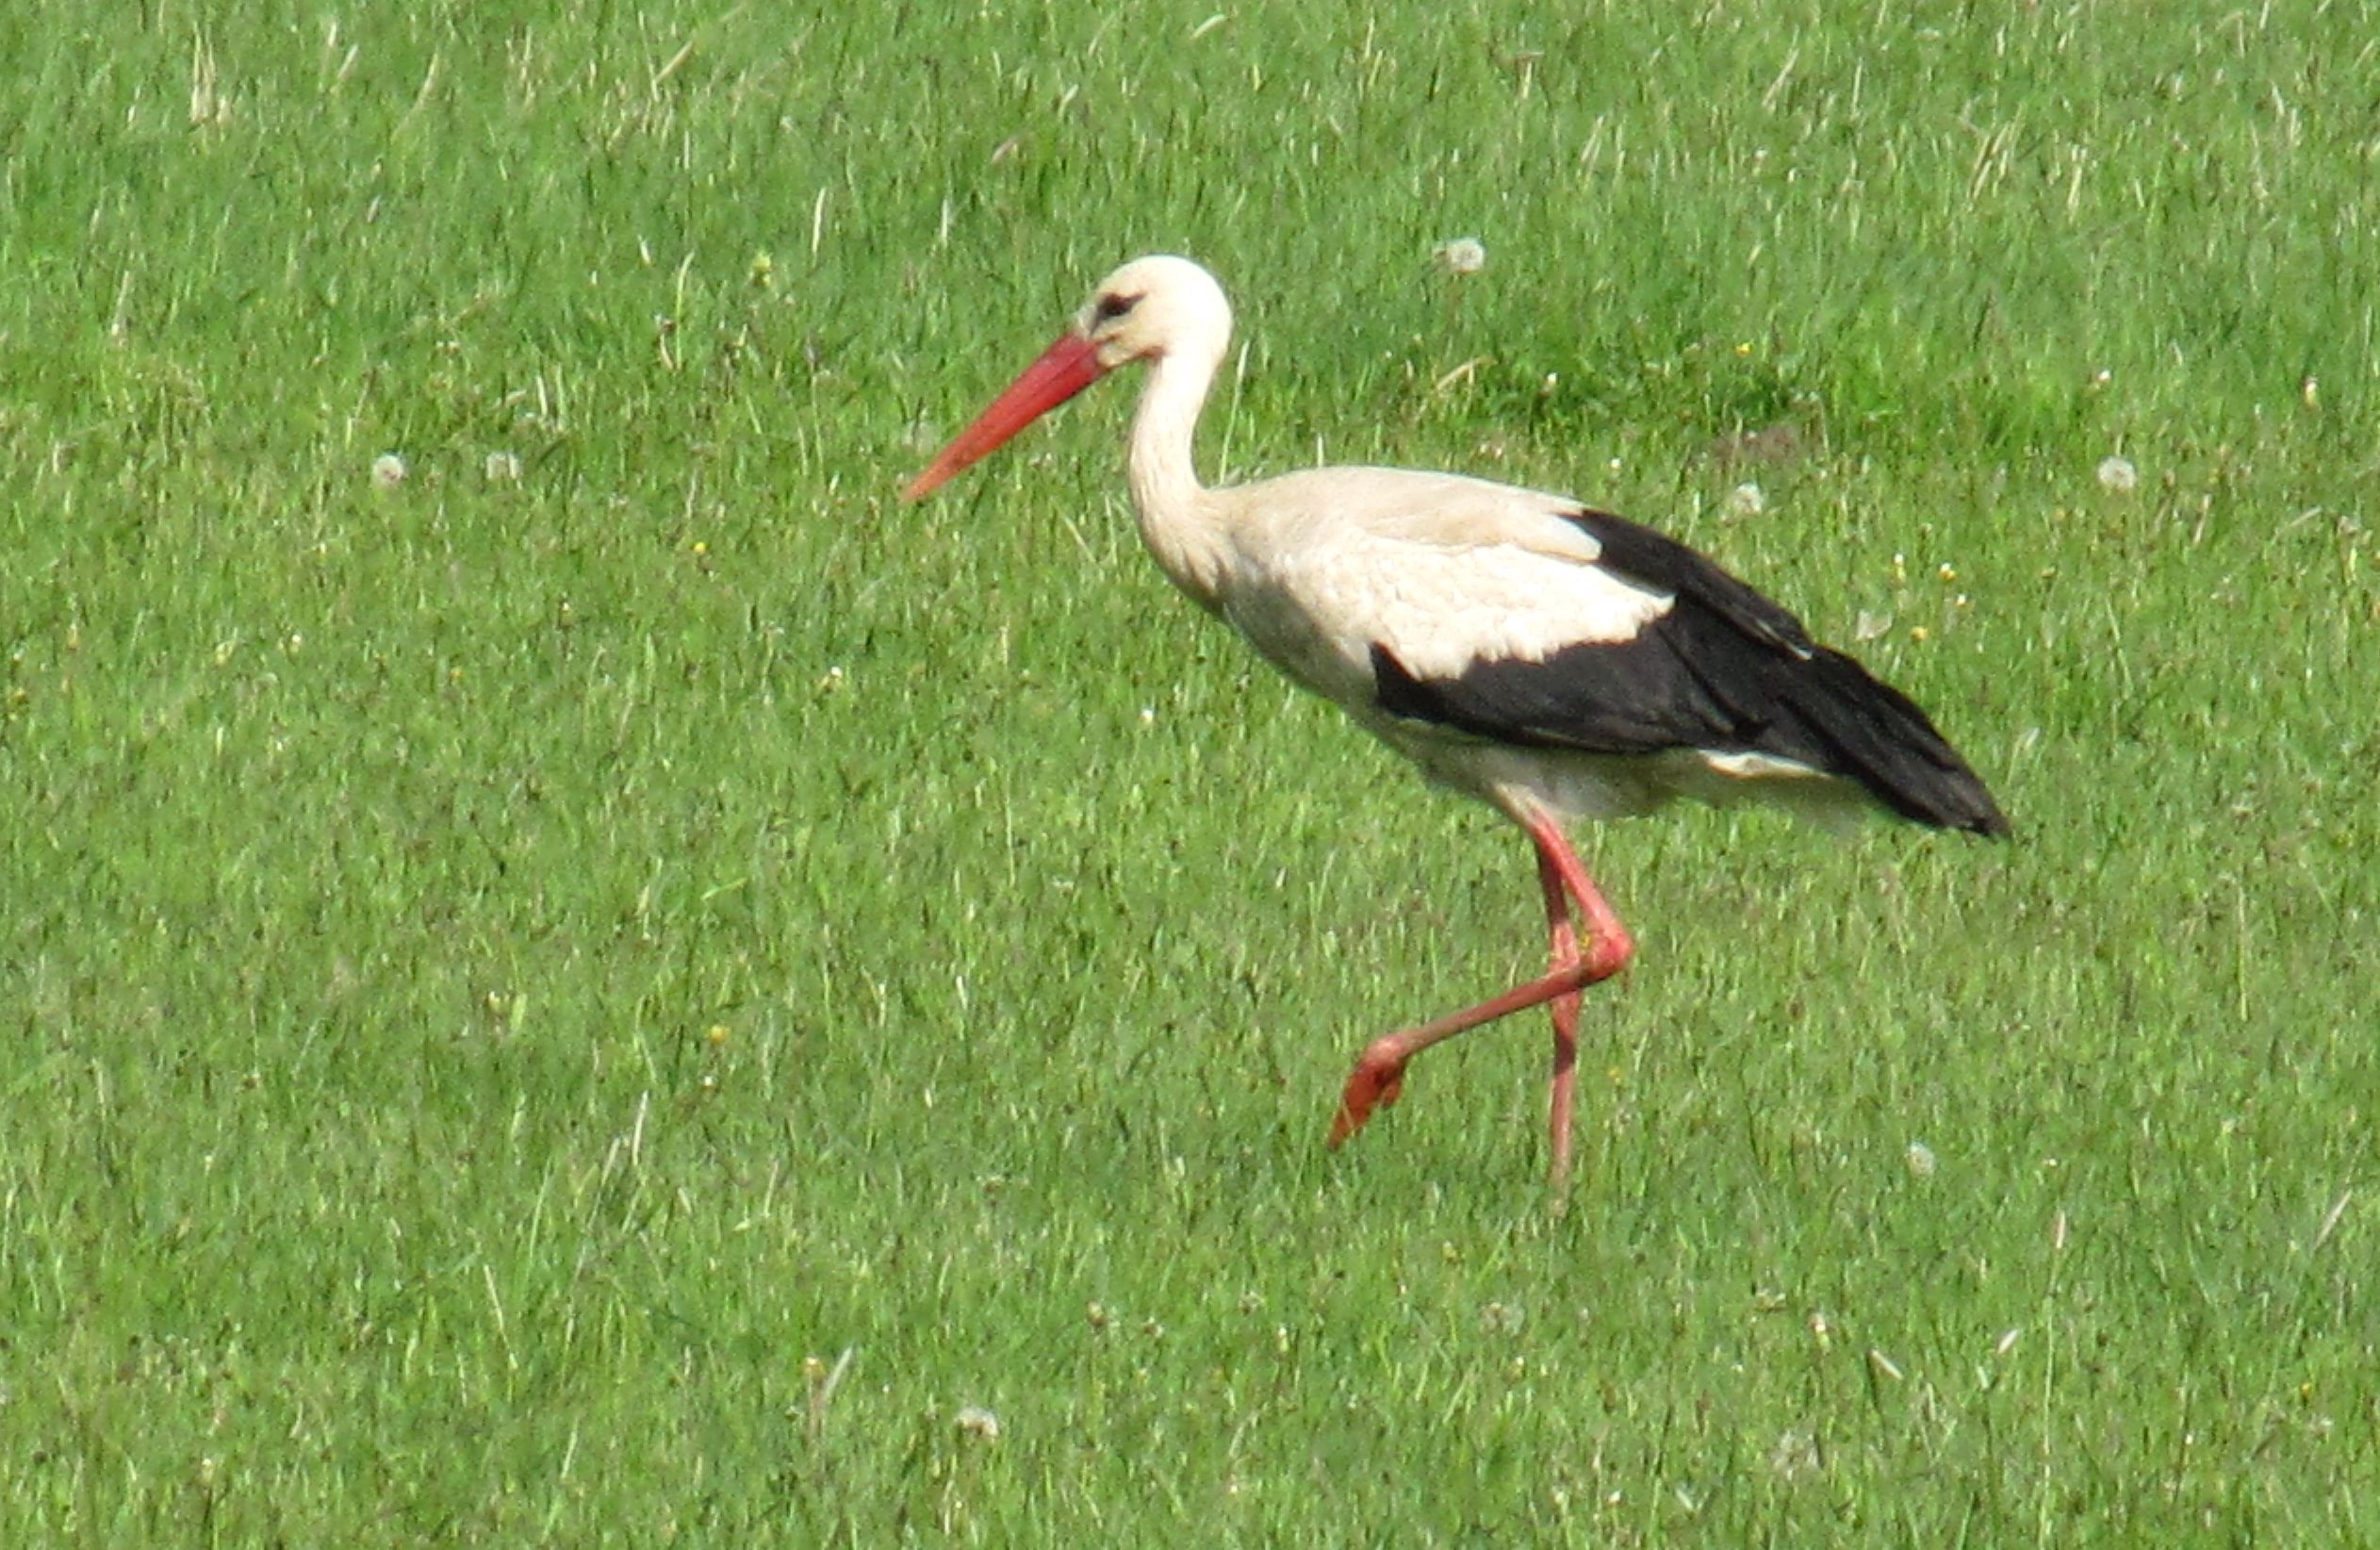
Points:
x=2118 y=476
x=1920 y=1159
x=975 y=1422
x=1744 y=502
x=388 y=471
x=1460 y=256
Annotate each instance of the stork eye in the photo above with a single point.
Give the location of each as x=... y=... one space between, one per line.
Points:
x=1112 y=306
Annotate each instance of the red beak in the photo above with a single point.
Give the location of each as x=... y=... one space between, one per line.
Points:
x=1064 y=370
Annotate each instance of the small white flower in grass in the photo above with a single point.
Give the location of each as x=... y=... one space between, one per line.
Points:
x=1796 y=1455
x=503 y=468
x=2117 y=475
x=1745 y=500
x=1920 y=1159
x=388 y=471
x=975 y=1422
x=1460 y=256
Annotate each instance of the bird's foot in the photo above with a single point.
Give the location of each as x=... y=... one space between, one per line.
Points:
x=1375 y=1083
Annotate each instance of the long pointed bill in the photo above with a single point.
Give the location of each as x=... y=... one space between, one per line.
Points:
x=1064 y=370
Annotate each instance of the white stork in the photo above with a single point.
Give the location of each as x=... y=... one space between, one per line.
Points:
x=1556 y=662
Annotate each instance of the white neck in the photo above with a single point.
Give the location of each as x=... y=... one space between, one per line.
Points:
x=1179 y=519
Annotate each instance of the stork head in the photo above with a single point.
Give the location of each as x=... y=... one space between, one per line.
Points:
x=1152 y=309
x=1155 y=306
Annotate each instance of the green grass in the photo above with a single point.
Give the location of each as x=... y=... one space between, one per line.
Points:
x=610 y=1005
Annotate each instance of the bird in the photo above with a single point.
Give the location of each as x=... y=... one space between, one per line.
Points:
x=1560 y=664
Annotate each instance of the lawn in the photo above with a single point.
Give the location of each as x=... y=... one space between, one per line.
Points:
x=572 y=971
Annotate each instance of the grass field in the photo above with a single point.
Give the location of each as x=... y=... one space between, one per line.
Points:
x=625 y=987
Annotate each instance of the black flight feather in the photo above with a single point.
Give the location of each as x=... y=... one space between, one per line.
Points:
x=1725 y=671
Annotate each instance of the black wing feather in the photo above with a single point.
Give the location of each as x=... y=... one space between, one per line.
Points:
x=1725 y=671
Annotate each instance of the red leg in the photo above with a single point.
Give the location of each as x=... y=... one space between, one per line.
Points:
x=1379 y=1074
x=1564 y=1011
